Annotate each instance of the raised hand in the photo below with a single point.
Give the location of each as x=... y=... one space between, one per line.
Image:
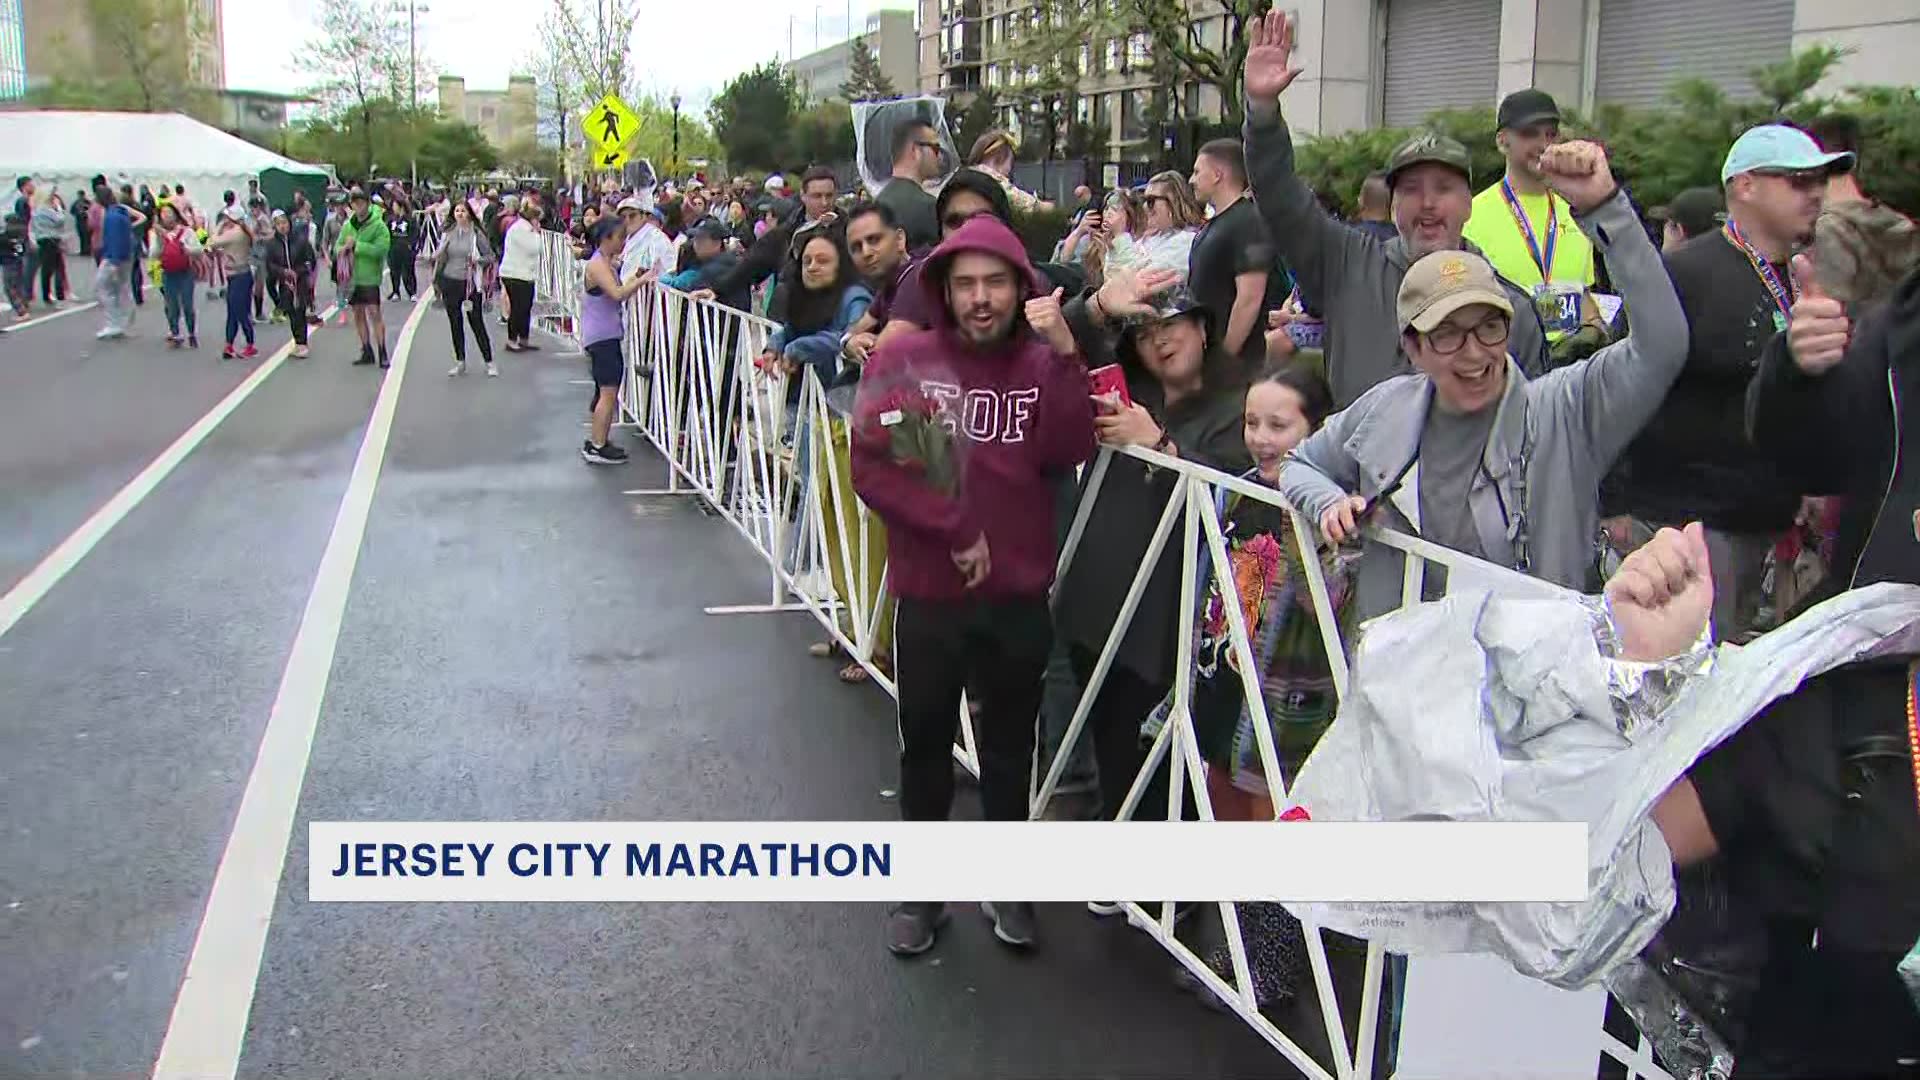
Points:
x=1662 y=594
x=1269 y=66
x=1043 y=314
x=1579 y=173
x=1820 y=329
x=1126 y=292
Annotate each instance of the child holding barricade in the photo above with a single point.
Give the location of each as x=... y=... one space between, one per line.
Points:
x=1284 y=405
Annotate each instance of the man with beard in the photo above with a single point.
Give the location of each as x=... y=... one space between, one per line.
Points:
x=1693 y=461
x=1352 y=276
x=971 y=561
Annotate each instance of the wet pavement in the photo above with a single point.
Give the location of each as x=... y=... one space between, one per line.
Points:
x=519 y=640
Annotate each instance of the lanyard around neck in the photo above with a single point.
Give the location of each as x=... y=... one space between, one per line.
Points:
x=1784 y=293
x=1542 y=258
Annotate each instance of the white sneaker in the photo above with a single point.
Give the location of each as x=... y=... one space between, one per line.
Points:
x=459 y=368
x=492 y=371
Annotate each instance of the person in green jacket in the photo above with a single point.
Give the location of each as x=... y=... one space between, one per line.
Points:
x=365 y=238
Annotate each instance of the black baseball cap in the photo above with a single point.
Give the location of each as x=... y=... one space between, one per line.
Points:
x=709 y=229
x=1524 y=108
x=1695 y=210
x=1429 y=147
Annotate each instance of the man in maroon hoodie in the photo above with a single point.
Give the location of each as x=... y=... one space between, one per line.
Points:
x=972 y=568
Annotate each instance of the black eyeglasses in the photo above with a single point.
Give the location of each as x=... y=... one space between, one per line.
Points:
x=925 y=145
x=1149 y=200
x=1447 y=338
x=955 y=220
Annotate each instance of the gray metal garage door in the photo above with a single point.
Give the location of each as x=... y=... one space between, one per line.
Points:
x=1441 y=54
x=1647 y=45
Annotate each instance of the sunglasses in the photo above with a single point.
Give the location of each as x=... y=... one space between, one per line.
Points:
x=1798 y=180
x=1149 y=201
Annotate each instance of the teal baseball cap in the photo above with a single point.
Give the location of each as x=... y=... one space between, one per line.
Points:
x=1779 y=148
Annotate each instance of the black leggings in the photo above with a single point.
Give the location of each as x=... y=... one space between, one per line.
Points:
x=401 y=262
x=453 y=296
x=519 y=308
x=53 y=271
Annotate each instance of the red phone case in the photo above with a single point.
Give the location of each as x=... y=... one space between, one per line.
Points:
x=1108 y=380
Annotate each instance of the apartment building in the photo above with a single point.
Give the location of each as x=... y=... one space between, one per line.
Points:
x=889 y=35
x=1371 y=62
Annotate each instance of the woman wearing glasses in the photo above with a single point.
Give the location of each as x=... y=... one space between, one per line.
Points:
x=1169 y=220
x=1469 y=454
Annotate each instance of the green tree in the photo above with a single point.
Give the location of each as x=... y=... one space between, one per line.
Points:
x=865 y=80
x=655 y=139
x=981 y=115
x=822 y=134
x=751 y=116
x=1176 y=53
x=452 y=149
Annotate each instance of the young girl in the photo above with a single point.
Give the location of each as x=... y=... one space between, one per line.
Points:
x=1284 y=405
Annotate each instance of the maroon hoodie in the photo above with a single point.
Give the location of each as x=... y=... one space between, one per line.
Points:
x=1020 y=414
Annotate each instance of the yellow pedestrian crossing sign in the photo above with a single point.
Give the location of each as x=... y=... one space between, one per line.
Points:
x=611 y=126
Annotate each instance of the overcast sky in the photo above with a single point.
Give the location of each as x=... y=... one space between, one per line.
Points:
x=484 y=40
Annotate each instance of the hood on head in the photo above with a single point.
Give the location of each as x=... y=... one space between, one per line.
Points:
x=986 y=234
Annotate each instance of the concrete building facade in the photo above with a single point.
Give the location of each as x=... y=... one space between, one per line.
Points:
x=506 y=117
x=1373 y=62
x=889 y=35
x=40 y=39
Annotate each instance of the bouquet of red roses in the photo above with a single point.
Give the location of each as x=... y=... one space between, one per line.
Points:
x=906 y=423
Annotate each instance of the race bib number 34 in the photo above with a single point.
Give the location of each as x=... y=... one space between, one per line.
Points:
x=1560 y=307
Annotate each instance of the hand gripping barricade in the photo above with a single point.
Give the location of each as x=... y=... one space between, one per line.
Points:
x=778 y=475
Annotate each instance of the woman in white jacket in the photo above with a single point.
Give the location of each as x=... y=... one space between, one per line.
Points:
x=518 y=264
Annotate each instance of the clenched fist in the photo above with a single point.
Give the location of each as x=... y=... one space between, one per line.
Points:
x=1579 y=173
x=1820 y=329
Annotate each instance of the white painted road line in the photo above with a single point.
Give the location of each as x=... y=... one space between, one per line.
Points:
x=29 y=590
x=50 y=316
x=209 y=1021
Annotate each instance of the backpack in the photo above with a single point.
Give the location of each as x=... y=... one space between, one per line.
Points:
x=173 y=254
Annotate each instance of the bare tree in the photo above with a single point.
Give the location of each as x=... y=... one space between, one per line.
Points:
x=354 y=63
x=592 y=40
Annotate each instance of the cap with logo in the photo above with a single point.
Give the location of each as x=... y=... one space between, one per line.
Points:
x=1444 y=282
x=1525 y=108
x=1780 y=148
x=1429 y=148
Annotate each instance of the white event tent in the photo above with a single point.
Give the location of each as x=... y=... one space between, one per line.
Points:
x=65 y=148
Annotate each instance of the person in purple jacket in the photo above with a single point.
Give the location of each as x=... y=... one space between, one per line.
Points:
x=971 y=558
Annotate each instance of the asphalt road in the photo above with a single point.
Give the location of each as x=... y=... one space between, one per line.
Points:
x=519 y=641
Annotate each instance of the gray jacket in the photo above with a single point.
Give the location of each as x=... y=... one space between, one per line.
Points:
x=1565 y=427
x=1349 y=274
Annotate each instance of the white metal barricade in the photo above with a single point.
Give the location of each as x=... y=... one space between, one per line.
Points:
x=731 y=439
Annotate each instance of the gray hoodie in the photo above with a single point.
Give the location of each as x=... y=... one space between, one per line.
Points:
x=1353 y=276
x=1553 y=437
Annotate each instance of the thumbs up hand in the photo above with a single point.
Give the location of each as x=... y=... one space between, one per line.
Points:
x=1820 y=329
x=1043 y=314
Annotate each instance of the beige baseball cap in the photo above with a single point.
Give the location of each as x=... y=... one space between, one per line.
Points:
x=1444 y=282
